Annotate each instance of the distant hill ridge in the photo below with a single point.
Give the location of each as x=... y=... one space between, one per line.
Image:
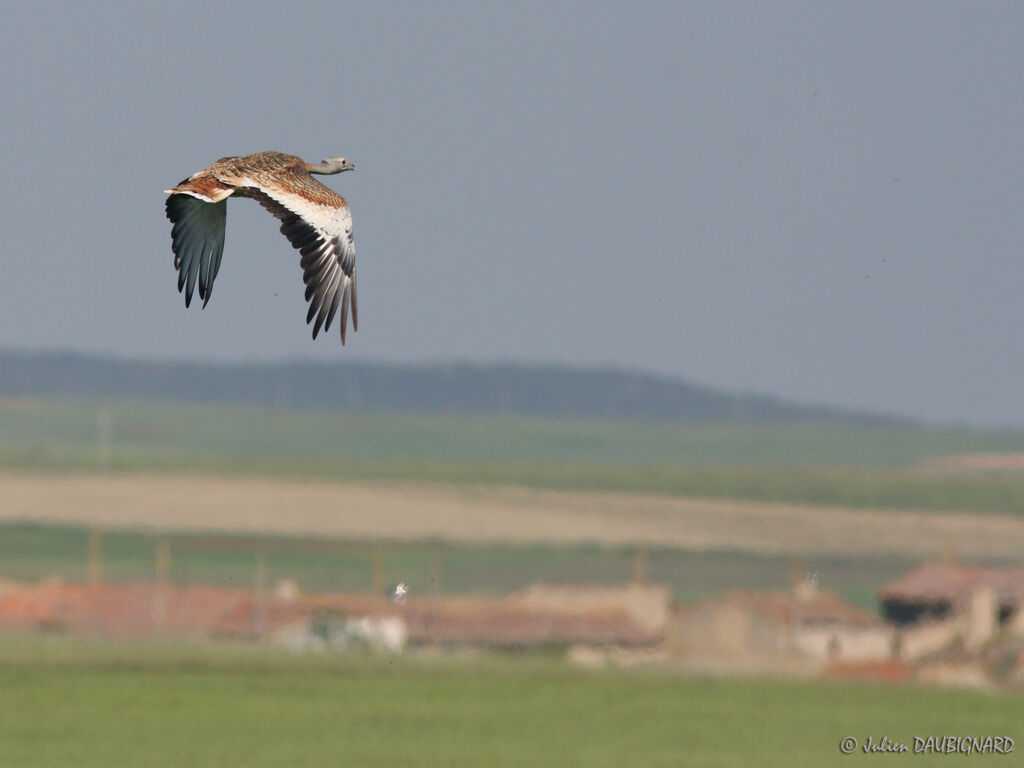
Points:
x=499 y=388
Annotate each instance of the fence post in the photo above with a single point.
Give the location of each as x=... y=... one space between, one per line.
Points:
x=435 y=570
x=376 y=570
x=163 y=560
x=163 y=567
x=261 y=592
x=640 y=564
x=95 y=555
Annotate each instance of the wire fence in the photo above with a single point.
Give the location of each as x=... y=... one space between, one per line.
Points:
x=32 y=552
x=95 y=555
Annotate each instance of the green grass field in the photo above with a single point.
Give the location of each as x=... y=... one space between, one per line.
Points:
x=858 y=466
x=156 y=430
x=66 y=703
x=72 y=701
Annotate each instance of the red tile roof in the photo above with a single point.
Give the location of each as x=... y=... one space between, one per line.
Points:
x=951 y=582
x=816 y=607
x=143 y=609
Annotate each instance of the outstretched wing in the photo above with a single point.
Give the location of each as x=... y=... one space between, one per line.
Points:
x=197 y=239
x=317 y=222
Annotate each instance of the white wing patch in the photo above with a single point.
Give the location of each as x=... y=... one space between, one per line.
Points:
x=323 y=236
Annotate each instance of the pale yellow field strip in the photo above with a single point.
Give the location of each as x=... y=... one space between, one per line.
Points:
x=186 y=502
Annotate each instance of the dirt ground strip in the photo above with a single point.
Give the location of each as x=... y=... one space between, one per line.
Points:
x=493 y=514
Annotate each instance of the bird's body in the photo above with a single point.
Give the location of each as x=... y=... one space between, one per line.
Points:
x=313 y=217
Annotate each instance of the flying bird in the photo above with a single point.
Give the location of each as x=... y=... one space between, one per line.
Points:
x=313 y=217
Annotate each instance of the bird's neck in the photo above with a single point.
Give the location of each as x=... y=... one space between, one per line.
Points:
x=326 y=169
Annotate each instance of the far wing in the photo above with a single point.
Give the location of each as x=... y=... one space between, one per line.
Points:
x=197 y=239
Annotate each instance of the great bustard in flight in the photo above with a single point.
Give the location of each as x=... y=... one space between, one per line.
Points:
x=314 y=218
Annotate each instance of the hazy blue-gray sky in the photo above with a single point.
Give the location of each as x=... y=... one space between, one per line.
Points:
x=815 y=200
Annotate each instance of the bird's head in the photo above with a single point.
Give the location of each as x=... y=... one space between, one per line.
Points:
x=331 y=165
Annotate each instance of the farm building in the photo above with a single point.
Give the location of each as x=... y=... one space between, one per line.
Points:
x=802 y=623
x=538 y=617
x=937 y=591
x=946 y=605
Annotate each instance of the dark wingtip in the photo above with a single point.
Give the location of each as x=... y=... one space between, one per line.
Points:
x=355 y=304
